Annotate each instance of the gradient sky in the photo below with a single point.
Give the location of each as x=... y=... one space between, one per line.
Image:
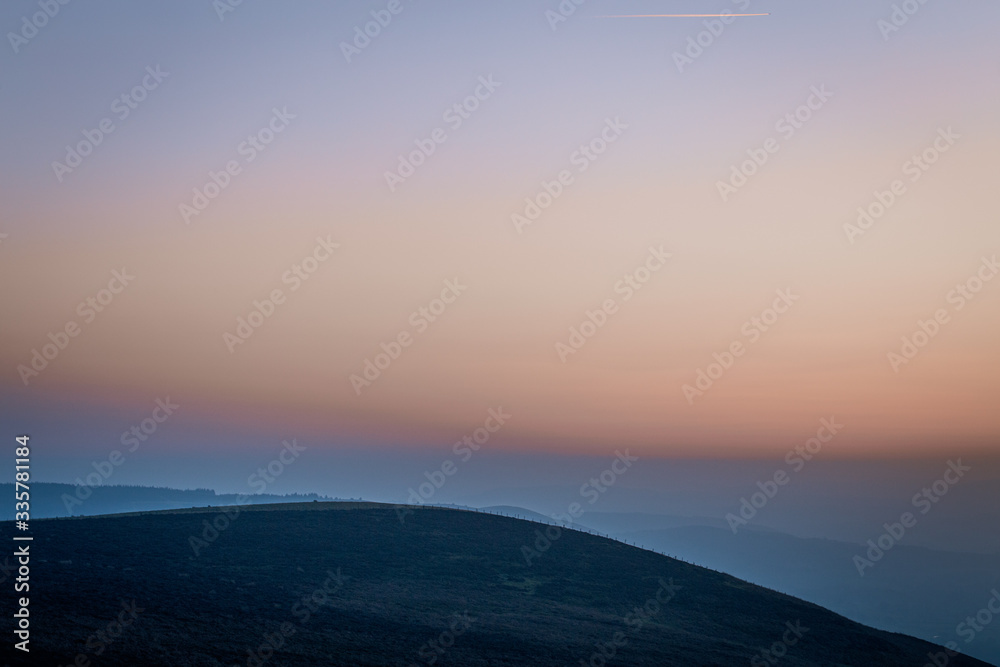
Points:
x=496 y=345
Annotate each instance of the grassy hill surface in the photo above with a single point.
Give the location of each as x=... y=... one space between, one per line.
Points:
x=293 y=585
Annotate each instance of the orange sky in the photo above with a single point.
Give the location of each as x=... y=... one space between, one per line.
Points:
x=495 y=344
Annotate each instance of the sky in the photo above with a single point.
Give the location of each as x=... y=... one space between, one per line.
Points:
x=623 y=232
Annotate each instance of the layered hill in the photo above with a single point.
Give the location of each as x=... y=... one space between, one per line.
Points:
x=362 y=584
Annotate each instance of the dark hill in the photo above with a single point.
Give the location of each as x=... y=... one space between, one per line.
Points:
x=357 y=587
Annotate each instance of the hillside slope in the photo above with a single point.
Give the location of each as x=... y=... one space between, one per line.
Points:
x=360 y=587
x=916 y=591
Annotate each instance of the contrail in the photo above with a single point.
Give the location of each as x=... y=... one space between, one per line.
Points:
x=671 y=16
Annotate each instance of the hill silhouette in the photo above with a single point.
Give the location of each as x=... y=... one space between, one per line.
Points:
x=366 y=584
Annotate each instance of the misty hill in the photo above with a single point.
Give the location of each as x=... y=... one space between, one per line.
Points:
x=843 y=501
x=519 y=512
x=922 y=592
x=63 y=500
x=918 y=591
x=353 y=584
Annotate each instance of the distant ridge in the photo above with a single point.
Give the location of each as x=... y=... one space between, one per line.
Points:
x=52 y=499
